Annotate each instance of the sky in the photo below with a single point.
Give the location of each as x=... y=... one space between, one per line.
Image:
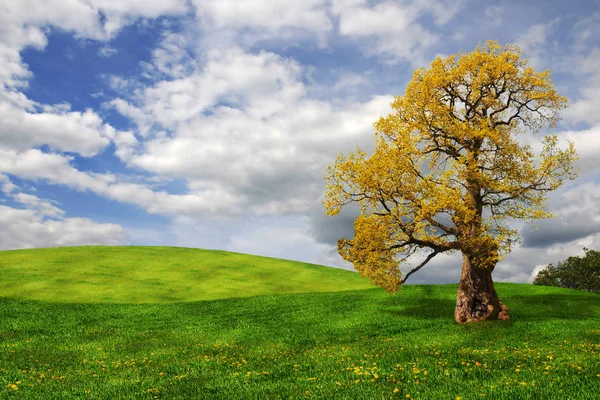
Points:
x=209 y=123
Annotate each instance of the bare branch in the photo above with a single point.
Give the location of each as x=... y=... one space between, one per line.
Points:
x=418 y=267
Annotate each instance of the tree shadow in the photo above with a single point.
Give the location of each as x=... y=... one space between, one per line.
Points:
x=545 y=307
x=426 y=308
x=536 y=307
x=420 y=302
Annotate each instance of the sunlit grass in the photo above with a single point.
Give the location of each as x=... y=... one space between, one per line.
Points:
x=137 y=274
x=359 y=344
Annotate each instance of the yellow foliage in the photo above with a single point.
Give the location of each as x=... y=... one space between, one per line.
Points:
x=448 y=169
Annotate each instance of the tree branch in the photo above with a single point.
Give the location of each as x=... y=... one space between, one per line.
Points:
x=418 y=267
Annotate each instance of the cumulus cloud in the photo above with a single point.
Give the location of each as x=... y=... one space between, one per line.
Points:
x=24 y=228
x=56 y=169
x=585 y=107
x=6 y=185
x=270 y=16
x=42 y=208
x=41 y=223
x=244 y=133
x=72 y=131
x=227 y=22
x=587 y=145
x=393 y=30
x=533 y=41
x=95 y=19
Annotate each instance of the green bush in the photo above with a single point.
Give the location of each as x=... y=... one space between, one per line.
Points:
x=581 y=273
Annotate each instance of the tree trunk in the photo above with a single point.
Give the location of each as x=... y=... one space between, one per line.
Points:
x=477 y=299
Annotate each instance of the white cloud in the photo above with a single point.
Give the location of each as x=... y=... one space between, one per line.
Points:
x=587 y=145
x=56 y=169
x=534 y=44
x=34 y=164
x=533 y=38
x=494 y=15
x=42 y=208
x=94 y=19
x=285 y=238
x=348 y=80
x=242 y=129
x=107 y=51
x=536 y=271
x=27 y=229
x=171 y=57
x=6 y=185
x=40 y=223
x=269 y=15
x=395 y=28
x=585 y=107
x=73 y=131
x=232 y=78
x=120 y=13
x=585 y=31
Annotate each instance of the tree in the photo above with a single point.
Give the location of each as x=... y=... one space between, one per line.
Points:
x=581 y=273
x=448 y=171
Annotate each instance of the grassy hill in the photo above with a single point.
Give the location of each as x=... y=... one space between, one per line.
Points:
x=358 y=344
x=138 y=274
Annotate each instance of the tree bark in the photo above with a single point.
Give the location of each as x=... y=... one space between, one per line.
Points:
x=477 y=299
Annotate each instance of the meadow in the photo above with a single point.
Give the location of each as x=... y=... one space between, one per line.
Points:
x=127 y=322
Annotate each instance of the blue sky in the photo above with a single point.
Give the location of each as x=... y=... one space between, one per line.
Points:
x=207 y=124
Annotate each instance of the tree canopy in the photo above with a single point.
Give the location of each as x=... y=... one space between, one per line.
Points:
x=581 y=273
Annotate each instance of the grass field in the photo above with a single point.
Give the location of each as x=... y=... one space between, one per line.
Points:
x=138 y=274
x=357 y=344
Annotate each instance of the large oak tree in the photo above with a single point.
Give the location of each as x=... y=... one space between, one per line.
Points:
x=448 y=172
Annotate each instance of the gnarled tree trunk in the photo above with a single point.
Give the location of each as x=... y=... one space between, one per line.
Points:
x=477 y=299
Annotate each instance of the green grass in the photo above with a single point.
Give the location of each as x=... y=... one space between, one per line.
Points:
x=138 y=274
x=358 y=344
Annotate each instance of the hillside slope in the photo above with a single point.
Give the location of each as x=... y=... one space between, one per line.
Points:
x=140 y=274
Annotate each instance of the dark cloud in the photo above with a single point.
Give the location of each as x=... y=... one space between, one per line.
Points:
x=577 y=209
x=559 y=230
x=327 y=229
